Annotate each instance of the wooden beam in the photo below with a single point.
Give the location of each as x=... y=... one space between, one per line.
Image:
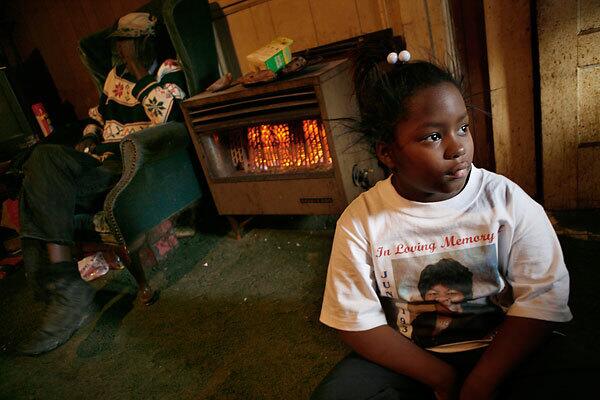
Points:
x=510 y=64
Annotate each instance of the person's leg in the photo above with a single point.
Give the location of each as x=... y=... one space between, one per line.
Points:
x=55 y=184
x=355 y=378
x=58 y=253
x=35 y=260
x=49 y=192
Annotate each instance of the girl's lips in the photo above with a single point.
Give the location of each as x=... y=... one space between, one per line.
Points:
x=460 y=171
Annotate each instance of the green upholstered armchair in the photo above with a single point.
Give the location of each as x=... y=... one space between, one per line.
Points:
x=159 y=179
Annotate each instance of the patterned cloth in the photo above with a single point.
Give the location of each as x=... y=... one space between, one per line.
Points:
x=128 y=106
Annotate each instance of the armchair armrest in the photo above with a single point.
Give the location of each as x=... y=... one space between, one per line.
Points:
x=158 y=181
x=153 y=143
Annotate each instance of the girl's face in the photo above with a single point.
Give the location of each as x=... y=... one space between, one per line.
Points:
x=446 y=296
x=432 y=149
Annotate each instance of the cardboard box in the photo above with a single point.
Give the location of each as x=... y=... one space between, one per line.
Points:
x=273 y=56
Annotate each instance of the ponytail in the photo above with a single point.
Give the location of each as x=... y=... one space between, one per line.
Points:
x=383 y=89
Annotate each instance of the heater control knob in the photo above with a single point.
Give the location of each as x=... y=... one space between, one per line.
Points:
x=362 y=177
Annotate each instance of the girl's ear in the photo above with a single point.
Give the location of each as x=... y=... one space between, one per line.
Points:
x=383 y=151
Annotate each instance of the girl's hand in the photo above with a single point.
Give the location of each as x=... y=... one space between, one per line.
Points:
x=87 y=145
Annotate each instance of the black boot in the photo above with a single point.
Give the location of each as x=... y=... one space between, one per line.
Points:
x=69 y=308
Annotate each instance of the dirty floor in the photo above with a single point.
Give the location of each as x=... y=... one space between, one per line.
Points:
x=236 y=319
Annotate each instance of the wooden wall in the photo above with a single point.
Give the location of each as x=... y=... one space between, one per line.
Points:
x=569 y=47
x=55 y=27
x=254 y=23
x=508 y=36
x=568 y=33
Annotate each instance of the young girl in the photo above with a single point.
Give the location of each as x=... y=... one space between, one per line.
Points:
x=436 y=205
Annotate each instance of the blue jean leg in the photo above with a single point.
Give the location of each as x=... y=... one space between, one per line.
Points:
x=59 y=181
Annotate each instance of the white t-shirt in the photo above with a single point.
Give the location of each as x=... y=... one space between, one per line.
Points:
x=445 y=272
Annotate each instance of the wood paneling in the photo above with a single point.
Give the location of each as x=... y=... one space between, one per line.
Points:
x=570 y=78
x=294 y=19
x=589 y=49
x=263 y=23
x=334 y=20
x=559 y=138
x=588 y=15
x=416 y=27
x=511 y=85
x=441 y=37
x=244 y=36
x=588 y=165
x=372 y=15
x=393 y=15
x=588 y=103
x=425 y=24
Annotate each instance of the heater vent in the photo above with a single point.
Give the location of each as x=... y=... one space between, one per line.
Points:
x=278 y=148
x=296 y=102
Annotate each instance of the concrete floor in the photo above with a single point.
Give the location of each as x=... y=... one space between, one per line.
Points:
x=235 y=320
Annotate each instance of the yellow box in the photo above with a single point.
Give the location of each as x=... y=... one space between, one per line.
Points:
x=273 y=56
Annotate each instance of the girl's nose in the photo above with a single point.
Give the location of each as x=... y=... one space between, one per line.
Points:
x=455 y=148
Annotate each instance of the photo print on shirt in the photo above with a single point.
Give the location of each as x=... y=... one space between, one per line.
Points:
x=447 y=297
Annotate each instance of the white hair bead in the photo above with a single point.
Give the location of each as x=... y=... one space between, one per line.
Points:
x=392 y=58
x=403 y=56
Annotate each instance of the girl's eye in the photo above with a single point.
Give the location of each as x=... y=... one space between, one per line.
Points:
x=463 y=129
x=434 y=137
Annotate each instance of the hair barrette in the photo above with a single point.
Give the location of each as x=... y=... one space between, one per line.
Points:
x=403 y=56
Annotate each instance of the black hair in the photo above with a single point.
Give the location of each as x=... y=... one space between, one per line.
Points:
x=383 y=90
x=447 y=272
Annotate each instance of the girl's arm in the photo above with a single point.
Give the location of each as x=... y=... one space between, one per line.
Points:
x=517 y=337
x=532 y=264
x=384 y=346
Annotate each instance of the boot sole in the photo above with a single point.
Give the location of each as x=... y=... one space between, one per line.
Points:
x=85 y=319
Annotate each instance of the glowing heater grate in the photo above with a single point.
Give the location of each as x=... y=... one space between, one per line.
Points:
x=281 y=147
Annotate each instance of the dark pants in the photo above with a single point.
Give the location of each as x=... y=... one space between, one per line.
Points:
x=356 y=378
x=545 y=375
x=58 y=183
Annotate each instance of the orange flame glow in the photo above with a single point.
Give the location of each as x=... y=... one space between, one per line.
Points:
x=277 y=147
